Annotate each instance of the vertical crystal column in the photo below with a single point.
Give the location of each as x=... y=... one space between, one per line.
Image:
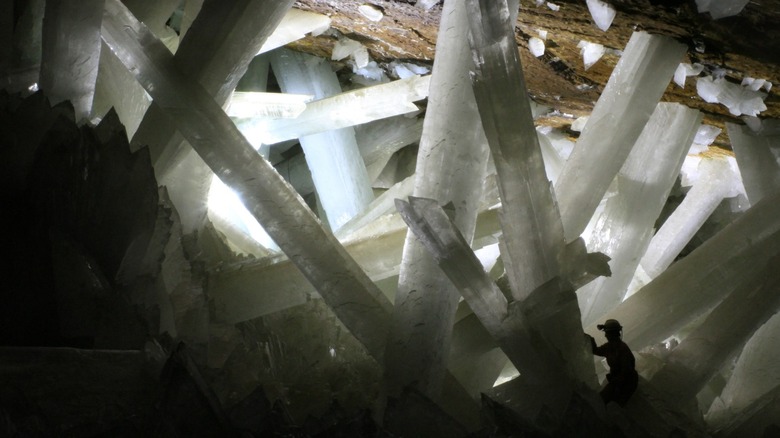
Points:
x=508 y=326
x=716 y=182
x=354 y=298
x=71 y=52
x=333 y=156
x=532 y=230
x=625 y=225
x=757 y=165
x=703 y=352
x=625 y=105
x=450 y=168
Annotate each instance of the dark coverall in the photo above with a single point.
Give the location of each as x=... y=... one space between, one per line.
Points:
x=622 y=377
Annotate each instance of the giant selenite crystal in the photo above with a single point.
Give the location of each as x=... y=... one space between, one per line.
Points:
x=532 y=230
x=215 y=53
x=341 y=110
x=116 y=88
x=379 y=140
x=450 y=168
x=254 y=288
x=347 y=290
x=754 y=381
x=625 y=105
x=757 y=164
x=625 y=225
x=694 y=285
x=716 y=181
x=333 y=156
x=754 y=375
x=704 y=351
x=506 y=322
x=294 y=26
x=71 y=52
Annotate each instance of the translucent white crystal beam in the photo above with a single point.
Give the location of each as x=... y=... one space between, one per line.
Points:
x=757 y=164
x=758 y=418
x=333 y=156
x=245 y=104
x=349 y=292
x=383 y=204
x=755 y=371
x=451 y=166
x=215 y=52
x=253 y=289
x=453 y=255
x=628 y=100
x=624 y=227
x=380 y=139
x=475 y=358
x=233 y=219
x=531 y=224
x=724 y=331
x=258 y=288
x=237 y=238
x=294 y=26
x=696 y=284
x=530 y=220
x=346 y=109
x=117 y=88
x=754 y=378
x=556 y=148
x=716 y=182
x=71 y=52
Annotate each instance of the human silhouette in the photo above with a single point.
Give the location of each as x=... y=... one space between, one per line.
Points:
x=622 y=378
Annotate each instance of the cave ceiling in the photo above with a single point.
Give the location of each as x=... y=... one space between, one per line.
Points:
x=746 y=45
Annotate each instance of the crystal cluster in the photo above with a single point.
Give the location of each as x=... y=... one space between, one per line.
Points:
x=312 y=235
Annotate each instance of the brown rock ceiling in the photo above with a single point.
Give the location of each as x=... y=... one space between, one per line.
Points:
x=744 y=45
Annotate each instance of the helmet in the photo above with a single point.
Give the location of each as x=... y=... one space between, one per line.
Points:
x=610 y=325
